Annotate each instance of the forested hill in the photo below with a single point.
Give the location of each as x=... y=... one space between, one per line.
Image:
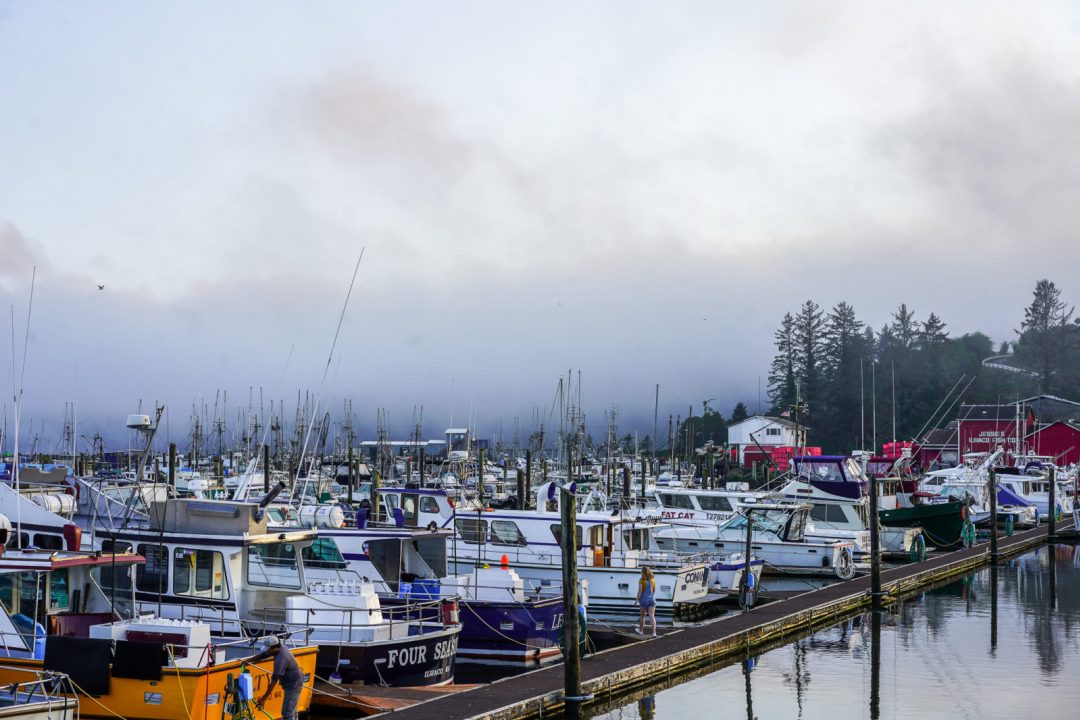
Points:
x=828 y=364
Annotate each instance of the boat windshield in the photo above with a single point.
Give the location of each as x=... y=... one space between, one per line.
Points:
x=827 y=471
x=323 y=553
x=274 y=565
x=767 y=521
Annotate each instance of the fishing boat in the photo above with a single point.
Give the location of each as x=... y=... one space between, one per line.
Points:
x=611 y=550
x=219 y=562
x=74 y=613
x=778 y=538
x=837 y=488
x=501 y=617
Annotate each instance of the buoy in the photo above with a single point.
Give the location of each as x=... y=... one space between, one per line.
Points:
x=504 y=562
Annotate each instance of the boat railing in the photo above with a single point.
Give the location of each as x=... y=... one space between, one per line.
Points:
x=47 y=688
x=671 y=560
x=328 y=620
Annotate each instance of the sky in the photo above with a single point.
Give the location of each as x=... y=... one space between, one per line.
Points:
x=636 y=192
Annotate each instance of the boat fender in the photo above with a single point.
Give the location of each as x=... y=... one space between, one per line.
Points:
x=504 y=562
x=448 y=609
x=432 y=526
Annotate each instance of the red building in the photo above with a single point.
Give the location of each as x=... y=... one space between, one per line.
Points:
x=1059 y=440
x=984 y=428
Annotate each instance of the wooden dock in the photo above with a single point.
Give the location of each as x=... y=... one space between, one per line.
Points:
x=373 y=699
x=625 y=669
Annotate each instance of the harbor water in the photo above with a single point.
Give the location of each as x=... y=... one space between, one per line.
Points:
x=999 y=643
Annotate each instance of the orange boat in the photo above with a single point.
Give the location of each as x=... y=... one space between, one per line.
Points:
x=62 y=612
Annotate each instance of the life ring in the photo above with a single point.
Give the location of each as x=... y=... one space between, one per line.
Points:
x=845 y=564
x=917 y=552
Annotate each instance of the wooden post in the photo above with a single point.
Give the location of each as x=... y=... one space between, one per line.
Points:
x=643 y=480
x=875 y=553
x=993 y=517
x=626 y=485
x=480 y=477
x=172 y=468
x=1051 y=523
x=376 y=477
x=526 y=502
x=571 y=650
x=748 y=568
x=352 y=476
x=423 y=460
x=266 y=468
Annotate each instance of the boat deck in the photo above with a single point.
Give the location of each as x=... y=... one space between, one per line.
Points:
x=624 y=669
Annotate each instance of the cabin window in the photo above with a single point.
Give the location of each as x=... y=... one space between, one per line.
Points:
x=471 y=530
x=429 y=504
x=108 y=546
x=504 y=532
x=676 y=501
x=637 y=539
x=48 y=542
x=199 y=572
x=7 y=592
x=59 y=595
x=408 y=507
x=122 y=577
x=828 y=513
x=714 y=503
x=772 y=431
x=273 y=565
x=579 y=533
x=323 y=553
x=153 y=575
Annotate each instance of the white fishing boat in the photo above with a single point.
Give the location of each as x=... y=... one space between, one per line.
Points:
x=779 y=539
x=611 y=550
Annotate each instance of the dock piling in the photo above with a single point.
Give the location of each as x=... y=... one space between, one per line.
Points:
x=572 y=695
x=1051 y=507
x=526 y=500
x=993 y=517
x=875 y=550
x=172 y=467
x=266 y=468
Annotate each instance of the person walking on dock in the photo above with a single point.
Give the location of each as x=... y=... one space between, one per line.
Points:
x=646 y=599
x=287 y=672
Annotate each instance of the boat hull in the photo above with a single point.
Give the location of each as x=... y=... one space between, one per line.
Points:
x=418 y=659
x=197 y=693
x=942 y=523
x=519 y=632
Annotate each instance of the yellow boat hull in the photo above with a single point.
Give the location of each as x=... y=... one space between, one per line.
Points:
x=180 y=694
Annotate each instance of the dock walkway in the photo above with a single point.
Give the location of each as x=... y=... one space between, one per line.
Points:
x=619 y=670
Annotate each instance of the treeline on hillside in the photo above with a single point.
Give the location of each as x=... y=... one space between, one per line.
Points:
x=831 y=368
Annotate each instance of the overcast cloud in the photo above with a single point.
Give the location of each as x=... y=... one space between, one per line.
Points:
x=635 y=191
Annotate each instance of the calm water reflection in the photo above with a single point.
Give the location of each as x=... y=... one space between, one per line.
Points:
x=1001 y=643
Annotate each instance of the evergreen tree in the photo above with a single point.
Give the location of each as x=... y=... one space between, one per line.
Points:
x=809 y=358
x=845 y=348
x=904 y=327
x=739 y=414
x=782 y=370
x=1047 y=337
x=932 y=332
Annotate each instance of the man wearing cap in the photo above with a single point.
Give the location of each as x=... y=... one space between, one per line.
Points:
x=287 y=672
